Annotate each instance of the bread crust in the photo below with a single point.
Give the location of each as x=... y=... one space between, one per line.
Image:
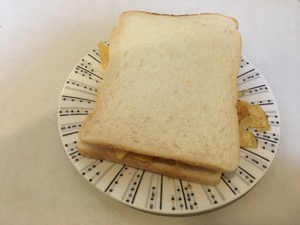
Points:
x=182 y=15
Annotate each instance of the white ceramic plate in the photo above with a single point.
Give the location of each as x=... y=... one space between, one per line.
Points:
x=153 y=192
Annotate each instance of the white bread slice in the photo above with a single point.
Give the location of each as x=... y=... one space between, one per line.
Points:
x=170 y=90
x=166 y=167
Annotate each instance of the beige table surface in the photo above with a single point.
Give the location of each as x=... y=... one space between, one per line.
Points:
x=41 y=42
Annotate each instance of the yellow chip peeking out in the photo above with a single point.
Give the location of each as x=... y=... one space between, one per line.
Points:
x=104 y=53
x=247 y=140
x=250 y=116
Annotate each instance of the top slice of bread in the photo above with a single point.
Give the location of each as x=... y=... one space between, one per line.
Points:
x=170 y=89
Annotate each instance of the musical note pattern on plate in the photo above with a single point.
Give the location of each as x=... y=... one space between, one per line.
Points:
x=154 y=192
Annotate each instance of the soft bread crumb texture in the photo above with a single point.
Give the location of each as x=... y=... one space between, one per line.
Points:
x=170 y=89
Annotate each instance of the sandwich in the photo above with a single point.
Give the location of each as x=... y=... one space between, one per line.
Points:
x=167 y=103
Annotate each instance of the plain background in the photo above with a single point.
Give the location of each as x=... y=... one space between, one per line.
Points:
x=41 y=42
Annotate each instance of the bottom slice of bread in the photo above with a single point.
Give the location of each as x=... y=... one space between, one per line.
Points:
x=169 y=168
